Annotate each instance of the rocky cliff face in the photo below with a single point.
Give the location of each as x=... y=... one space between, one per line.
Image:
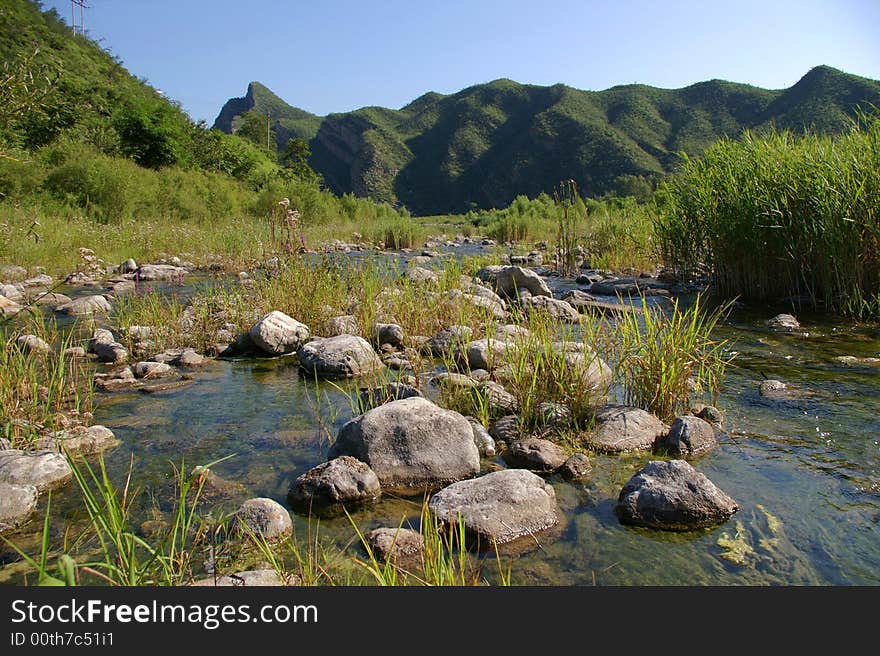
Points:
x=233 y=108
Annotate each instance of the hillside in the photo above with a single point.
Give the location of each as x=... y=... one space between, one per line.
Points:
x=483 y=146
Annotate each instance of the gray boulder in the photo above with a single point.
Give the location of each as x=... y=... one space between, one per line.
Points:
x=402 y=546
x=509 y=280
x=419 y=274
x=85 y=305
x=343 y=356
x=44 y=470
x=111 y=352
x=17 y=504
x=394 y=391
x=51 y=300
x=783 y=323
x=506 y=428
x=485 y=353
x=499 y=507
x=388 y=333
x=152 y=370
x=162 y=272
x=446 y=341
x=552 y=307
x=497 y=399
x=688 y=435
x=343 y=480
x=673 y=496
x=411 y=444
x=577 y=467
x=32 y=344
x=622 y=428
x=79 y=441
x=535 y=454
x=345 y=324
x=452 y=381
x=264 y=518
x=485 y=443
x=278 y=334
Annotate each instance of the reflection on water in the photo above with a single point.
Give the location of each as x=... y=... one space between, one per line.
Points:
x=805 y=471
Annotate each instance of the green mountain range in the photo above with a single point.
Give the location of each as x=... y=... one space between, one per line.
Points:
x=483 y=146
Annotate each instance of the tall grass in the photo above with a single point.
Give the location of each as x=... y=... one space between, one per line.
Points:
x=777 y=215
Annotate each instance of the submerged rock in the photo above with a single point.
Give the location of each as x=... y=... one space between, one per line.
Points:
x=278 y=334
x=499 y=507
x=44 y=470
x=343 y=356
x=783 y=323
x=341 y=481
x=622 y=428
x=577 y=467
x=672 y=495
x=535 y=454
x=411 y=444
x=688 y=436
x=80 y=440
x=17 y=504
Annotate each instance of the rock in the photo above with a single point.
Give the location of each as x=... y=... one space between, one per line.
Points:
x=118 y=379
x=506 y=429
x=214 y=487
x=79 y=441
x=498 y=399
x=535 y=454
x=672 y=496
x=489 y=273
x=499 y=507
x=485 y=443
x=373 y=398
x=343 y=480
x=621 y=428
x=278 y=334
x=853 y=361
x=250 y=579
x=17 y=504
x=402 y=546
x=343 y=356
x=510 y=333
x=480 y=302
x=446 y=341
x=629 y=287
x=774 y=389
x=263 y=517
x=343 y=325
x=12 y=273
x=74 y=352
x=100 y=336
x=122 y=287
x=163 y=272
x=708 y=413
x=588 y=278
x=8 y=308
x=411 y=444
x=783 y=322
x=480 y=375
x=51 y=300
x=688 y=436
x=32 y=344
x=419 y=274
x=44 y=470
x=388 y=333
x=509 y=280
x=129 y=266
x=485 y=353
x=86 y=305
x=112 y=352
x=451 y=381
x=151 y=370
x=577 y=467
x=553 y=308
x=186 y=358
x=554 y=415
x=41 y=280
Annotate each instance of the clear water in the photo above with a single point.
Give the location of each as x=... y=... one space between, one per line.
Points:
x=806 y=472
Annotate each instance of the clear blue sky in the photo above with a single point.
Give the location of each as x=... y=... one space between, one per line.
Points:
x=338 y=55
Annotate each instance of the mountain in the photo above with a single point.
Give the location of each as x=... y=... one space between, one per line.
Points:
x=483 y=146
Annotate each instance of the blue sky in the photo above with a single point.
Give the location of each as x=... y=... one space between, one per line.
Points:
x=337 y=55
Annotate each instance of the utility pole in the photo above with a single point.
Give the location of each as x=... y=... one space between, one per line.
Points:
x=268 y=132
x=82 y=19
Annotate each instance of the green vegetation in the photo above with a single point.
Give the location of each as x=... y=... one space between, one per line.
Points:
x=781 y=215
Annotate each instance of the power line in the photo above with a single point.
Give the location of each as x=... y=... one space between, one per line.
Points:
x=82 y=17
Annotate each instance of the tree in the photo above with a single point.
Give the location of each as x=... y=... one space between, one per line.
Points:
x=295 y=156
x=153 y=133
x=255 y=128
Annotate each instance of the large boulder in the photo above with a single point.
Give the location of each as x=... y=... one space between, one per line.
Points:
x=672 y=495
x=411 y=444
x=85 y=305
x=535 y=454
x=688 y=435
x=499 y=507
x=622 y=428
x=17 y=504
x=343 y=356
x=278 y=334
x=510 y=280
x=44 y=470
x=393 y=391
x=342 y=481
x=264 y=518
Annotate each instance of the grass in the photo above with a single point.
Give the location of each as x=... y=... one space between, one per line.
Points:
x=777 y=215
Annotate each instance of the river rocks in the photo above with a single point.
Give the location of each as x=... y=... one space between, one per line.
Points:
x=554 y=415
x=388 y=333
x=688 y=436
x=485 y=353
x=278 y=334
x=451 y=381
x=419 y=274
x=79 y=441
x=17 y=504
x=51 y=300
x=129 y=266
x=112 y=352
x=341 y=481
x=708 y=413
x=32 y=344
x=186 y=358
x=343 y=356
x=44 y=470
x=588 y=370
x=448 y=340
x=345 y=324
x=480 y=302
x=402 y=546
x=552 y=307
x=621 y=428
x=506 y=429
x=499 y=507
x=264 y=518
x=116 y=380
x=8 y=307
x=152 y=370
x=498 y=400
x=672 y=495
x=853 y=361
x=12 y=273
x=535 y=454
x=509 y=280
x=577 y=467
x=411 y=444
x=394 y=391
x=776 y=390
x=162 y=272
x=86 y=305
x=485 y=443
x=250 y=579
x=783 y=323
